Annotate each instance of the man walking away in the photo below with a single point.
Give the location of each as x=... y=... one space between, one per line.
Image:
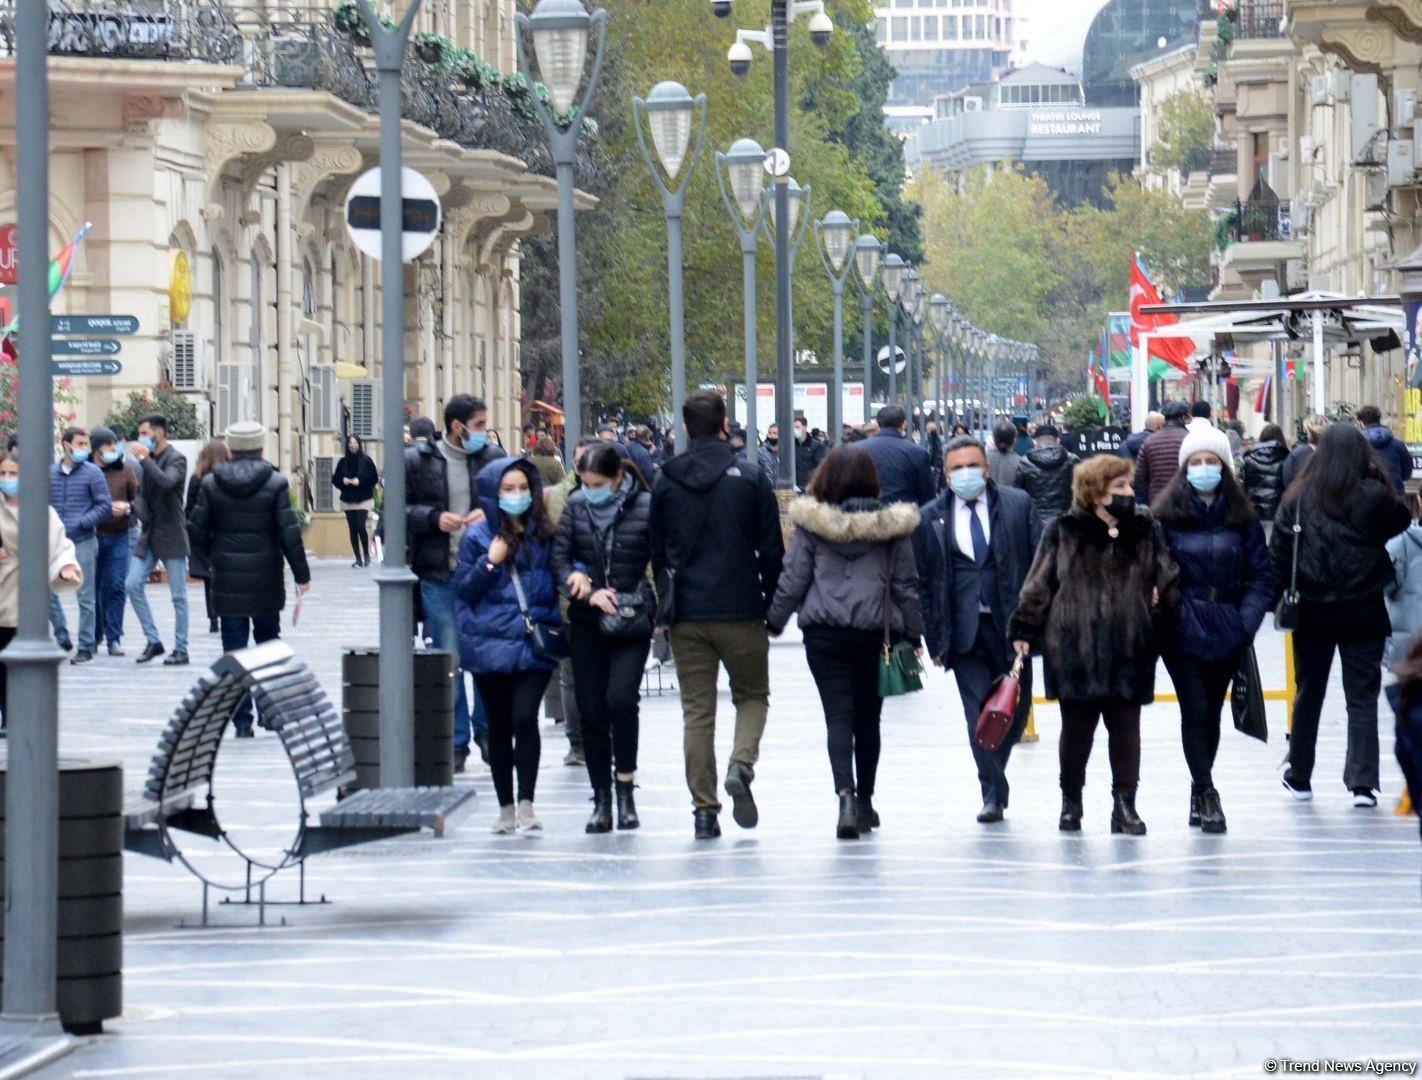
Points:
x=933 y=446
x=1131 y=448
x=716 y=554
x=81 y=499
x=904 y=475
x=114 y=537
x=243 y=526
x=1003 y=459
x=808 y=454
x=1393 y=451
x=1045 y=474
x=973 y=547
x=163 y=483
x=442 y=502
x=1159 y=457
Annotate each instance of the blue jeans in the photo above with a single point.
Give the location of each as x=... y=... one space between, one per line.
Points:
x=139 y=567
x=112 y=572
x=87 y=556
x=234 y=636
x=437 y=599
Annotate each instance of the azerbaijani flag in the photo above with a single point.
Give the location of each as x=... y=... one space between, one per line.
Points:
x=1175 y=352
x=1096 y=372
x=59 y=269
x=1263 y=399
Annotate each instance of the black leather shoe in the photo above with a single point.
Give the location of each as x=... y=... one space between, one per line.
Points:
x=151 y=650
x=601 y=820
x=990 y=813
x=1212 y=819
x=868 y=816
x=1194 y=809
x=482 y=742
x=1070 y=820
x=1124 y=818
x=626 y=806
x=246 y=732
x=848 y=827
x=176 y=658
x=213 y=626
x=707 y=827
x=65 y=644
x=461 y=758
x=738 y=787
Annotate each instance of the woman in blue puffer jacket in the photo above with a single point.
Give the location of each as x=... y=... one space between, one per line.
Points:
x=514 y=539
x=1216 y=538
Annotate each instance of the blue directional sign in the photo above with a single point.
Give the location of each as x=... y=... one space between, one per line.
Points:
x=84 y=347
x=80 y=369
x=93 y=324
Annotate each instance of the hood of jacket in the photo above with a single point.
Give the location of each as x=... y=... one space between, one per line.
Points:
x=704 y=462
x=850 y=523
x=1378 y=436
x=242 y=476
x=1268 y=453
x=1049 y=457
x=487 y=485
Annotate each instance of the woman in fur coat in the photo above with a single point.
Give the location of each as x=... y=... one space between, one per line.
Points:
x=847 y=558
x=1101 y=577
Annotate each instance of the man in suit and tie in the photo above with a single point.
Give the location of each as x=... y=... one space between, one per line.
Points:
x=974 y=548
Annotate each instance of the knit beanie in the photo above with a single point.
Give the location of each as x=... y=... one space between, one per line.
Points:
x=1201 y=435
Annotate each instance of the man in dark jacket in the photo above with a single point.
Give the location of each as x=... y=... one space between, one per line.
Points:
x=1131 y=448
x=80 y=497
x=243 y=526
x=904 y=473
x=770 y=454
x=1392 y=450
x=717 y=549
x=441 y=502
x=808 y=453
x=163 y=484
x=1159 y=457
x=114 y=536
x=1045 y=474
x=973 y=547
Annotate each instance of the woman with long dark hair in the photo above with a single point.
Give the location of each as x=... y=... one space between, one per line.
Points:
x=1216 y=539
x=508 y=550
x=848 y=557
x=1338 y=515
x=1262 y=470
x=213 y=454
x=356 y=477
x=601 y=554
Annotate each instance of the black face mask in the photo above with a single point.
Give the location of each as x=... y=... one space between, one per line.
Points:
x=1121 y=507
x=772 y=441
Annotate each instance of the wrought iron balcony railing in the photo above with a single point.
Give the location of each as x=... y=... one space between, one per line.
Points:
x=1224 y=161
x=1259 y=220
x=1259 y=21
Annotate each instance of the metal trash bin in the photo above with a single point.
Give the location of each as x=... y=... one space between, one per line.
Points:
x=434 y=716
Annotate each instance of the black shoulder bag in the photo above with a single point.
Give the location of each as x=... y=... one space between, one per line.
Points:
x=1286 y=615
x=549 y=643
x=631 y=619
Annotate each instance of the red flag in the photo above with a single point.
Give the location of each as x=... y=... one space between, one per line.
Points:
x=1174 y=351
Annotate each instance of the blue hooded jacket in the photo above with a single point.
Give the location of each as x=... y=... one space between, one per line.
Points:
x=492 y=636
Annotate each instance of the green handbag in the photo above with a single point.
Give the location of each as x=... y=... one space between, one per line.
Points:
x=899 y=669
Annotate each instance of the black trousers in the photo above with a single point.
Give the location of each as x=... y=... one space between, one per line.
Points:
x=1201 y=686
x=237 y=630
x=975 y=671
x=845 y=664
x=360 y=539
x=607 y=682
x=7 y=635
x=512 y=702
x=1123 y=723
x=1362 y=681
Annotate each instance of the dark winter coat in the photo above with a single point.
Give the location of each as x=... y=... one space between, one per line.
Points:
x=1086 y=606
x=1261 y=471
x=243 y=525
x=1012 y=525
x=1004 y=468
x=770 y=463
x=492 y=635
x=1131 y=448
x=427 y=496
x=1409 y=737
x=163 y=479
x=197 y=561
x=1297 y=456
x=808 y=455
x=1403 y=595
x=904 y=475
x=123 y=487
x=1393 y=451
x=1045 y=474
x=1226 y=587
x=81 y=499
x=358 y=467
x=837 y=565
x=716 y=522
x=1158 y=462
x=578 y=548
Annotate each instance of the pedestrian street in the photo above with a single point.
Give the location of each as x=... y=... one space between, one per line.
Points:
x=933 y=947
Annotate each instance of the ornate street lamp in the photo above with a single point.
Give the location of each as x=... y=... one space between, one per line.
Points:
x=867 y=254
x=740 y=174
x=834 y=231
x=892 y=274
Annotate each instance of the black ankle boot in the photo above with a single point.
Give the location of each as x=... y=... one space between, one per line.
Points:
x=601 y=820
x=868 y=817
x=848 y=827
x=1194 y=809
x=1070 y=820
x=1212 y=819
x=1123 y=815
x=626 y=808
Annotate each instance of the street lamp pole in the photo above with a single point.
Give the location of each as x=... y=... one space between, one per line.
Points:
x=743 y=164
x=797 y=199
x=893 y=276
x=560 y=31
x=834 y=231
x=907 y=290
x=669 y=108
x=867 y=253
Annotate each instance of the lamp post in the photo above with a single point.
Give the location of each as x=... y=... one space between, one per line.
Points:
x=834 y=231
x=867 y=253
x=795 y=218
x=892 y=274
x=920 y=311
x=670 y=109
x=743 y=165
x=939 y=310
x=560 y=30
x=907 y=291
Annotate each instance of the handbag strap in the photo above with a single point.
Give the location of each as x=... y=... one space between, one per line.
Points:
x=888 y=594
x=1294 y=571
x=518 y=592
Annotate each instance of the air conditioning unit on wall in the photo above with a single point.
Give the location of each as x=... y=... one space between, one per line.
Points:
x=365 y=408
x=324 y=495
x=186 y=367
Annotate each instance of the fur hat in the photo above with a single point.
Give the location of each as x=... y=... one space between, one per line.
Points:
x=246 y=436
x=1202 y=435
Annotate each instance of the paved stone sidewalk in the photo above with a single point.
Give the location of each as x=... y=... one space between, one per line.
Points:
x=935 y=948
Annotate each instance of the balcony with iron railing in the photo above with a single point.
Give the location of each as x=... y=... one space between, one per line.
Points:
x=1259 y=21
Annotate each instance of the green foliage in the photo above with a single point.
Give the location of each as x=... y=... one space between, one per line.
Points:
x=1223 y=231
x=64 y=399
x=181 y=413
x=302 y=517
x=1187 y=123
x=1083 y=412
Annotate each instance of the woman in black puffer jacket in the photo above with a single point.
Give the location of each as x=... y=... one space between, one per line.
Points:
x=1345 y=510
x=1262 y=471
x=601 y=554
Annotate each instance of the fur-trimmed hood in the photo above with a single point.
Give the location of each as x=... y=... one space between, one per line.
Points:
x=872 y=524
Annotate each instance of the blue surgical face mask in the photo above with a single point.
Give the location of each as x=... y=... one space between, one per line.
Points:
x=9 y=486
x=110 y=456
x=148 y=443
x=78 y=454
x=474 y=441
x=599 y=496
x=516 y=505
x=1203 y=478
x=967 y=482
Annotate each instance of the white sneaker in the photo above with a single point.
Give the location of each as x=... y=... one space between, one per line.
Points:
x=505 y=824
x=1364 y=799
x=526 y=817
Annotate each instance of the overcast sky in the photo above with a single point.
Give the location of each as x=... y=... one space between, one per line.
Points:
x=1044 y=18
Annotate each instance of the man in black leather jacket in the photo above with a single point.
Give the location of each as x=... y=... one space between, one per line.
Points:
x=1045 y=474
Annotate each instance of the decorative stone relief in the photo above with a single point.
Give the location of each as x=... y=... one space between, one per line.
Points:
x=291 y=146
x=328 y=160
x=139 y=110
x=226 y=142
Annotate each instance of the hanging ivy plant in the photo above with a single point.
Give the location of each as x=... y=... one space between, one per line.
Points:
x=433 y=49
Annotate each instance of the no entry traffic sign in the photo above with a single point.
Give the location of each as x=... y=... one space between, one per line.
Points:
x=419 y=213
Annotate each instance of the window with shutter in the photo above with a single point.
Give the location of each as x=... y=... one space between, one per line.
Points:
x=365 y=408
x=184 y=362
x=325 y=494
x=231 y=396
x=325 y=402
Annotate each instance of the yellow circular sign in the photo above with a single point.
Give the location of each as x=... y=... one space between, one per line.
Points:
x=180 y=289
